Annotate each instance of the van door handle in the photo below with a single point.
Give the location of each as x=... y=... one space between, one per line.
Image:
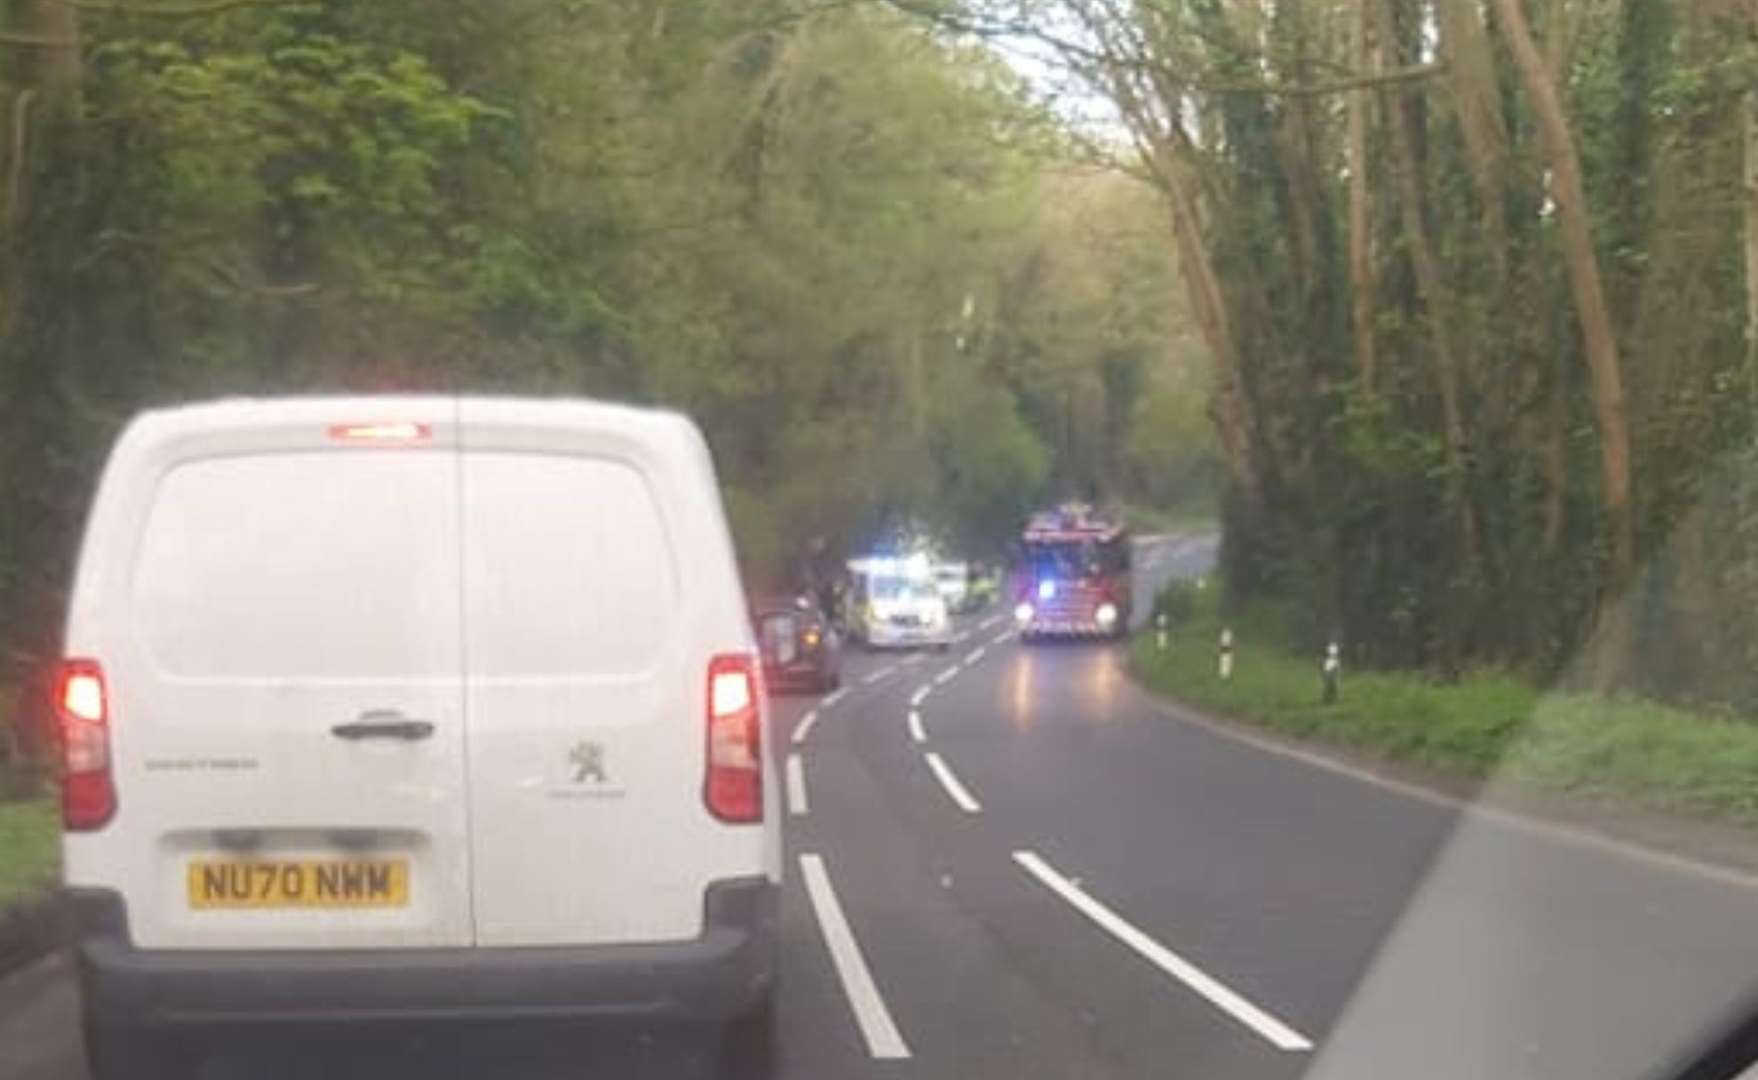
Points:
x=383 y=725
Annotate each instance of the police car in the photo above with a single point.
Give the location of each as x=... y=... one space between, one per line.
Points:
x=897 y=605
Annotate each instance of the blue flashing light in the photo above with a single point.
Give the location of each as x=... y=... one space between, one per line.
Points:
x=1046 y=590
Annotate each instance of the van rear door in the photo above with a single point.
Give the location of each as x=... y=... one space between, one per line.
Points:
x=273 y=592
x=595 y=579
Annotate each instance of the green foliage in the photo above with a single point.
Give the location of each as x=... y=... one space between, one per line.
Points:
x=1626 y=750
x=818 y=234
x=1178 y=601
x=30 y=855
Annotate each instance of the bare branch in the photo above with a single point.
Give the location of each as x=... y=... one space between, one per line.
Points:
x=155 y=11
x=1414 y=73
x=1163 y=75
x=38 y=41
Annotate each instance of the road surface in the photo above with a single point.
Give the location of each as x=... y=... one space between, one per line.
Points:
x=1006 y=862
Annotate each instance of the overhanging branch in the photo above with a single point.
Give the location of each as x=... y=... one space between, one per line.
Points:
x=166 y=11
x=38 y=41
x=1084 y=54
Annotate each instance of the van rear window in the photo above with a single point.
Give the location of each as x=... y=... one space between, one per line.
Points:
x=568 y=568
x=326 y=564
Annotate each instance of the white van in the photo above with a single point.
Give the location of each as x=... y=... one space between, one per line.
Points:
x=413 y=708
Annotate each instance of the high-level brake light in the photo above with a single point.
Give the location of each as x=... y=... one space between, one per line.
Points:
x=382 y=433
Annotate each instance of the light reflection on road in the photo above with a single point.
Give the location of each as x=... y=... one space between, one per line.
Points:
x=1101 y=687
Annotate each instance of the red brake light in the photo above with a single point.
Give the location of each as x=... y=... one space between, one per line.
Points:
x=82 y=714
x=382 y=433
x=734 y=786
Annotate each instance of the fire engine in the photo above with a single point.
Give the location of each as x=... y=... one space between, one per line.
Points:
x=1073 y=580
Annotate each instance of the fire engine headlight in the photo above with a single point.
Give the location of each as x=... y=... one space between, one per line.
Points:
x=1023 y=613
x=1106 y=616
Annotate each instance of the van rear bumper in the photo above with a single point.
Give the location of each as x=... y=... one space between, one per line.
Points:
x=724 y=973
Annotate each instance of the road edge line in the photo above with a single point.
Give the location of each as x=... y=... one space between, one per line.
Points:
x=1508 y=818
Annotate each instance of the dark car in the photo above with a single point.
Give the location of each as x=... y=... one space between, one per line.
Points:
x=800 y=646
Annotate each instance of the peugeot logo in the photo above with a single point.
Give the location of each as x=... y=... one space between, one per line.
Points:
x=587 y=759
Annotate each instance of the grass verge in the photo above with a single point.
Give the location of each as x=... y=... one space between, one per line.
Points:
x=1623 y=750
x=29 y=850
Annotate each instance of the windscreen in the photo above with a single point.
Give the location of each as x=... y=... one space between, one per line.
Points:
x=1077 y=558
x=893 y=588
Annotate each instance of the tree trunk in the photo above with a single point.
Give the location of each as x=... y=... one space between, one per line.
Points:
x=47 y=88
x=1556 y=460
x=1233 y=410
x=1471 y=79
x=1360 y=217
x=1599 y=344
x=1435 y=297
x=1749 y=145
x=55 y=71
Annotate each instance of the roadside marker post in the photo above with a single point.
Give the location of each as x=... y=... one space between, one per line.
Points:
x=1226 y=660
x=1332 y=671
x=1160 y=631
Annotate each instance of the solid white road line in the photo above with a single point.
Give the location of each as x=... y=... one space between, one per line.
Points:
x=1278 y=1034
x=916 y=731
x=921 y=694
x=974 y=655
x=947 y=676
x=877 y=675
x=883 y=1038
x=804 y=727
x=952 y=786
x=832 y=699
x=796 y=786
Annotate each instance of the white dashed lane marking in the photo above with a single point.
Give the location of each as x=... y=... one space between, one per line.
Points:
x=959 y=794
x=796 y=786
x=804 y=727
x=1275 y=1032
x=916 y=731
x=874 y=1019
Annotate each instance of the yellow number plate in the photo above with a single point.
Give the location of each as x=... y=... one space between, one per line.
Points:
x=333 y=883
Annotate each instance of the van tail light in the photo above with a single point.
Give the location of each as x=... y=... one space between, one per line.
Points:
x=734 y=787
x=82 y=721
